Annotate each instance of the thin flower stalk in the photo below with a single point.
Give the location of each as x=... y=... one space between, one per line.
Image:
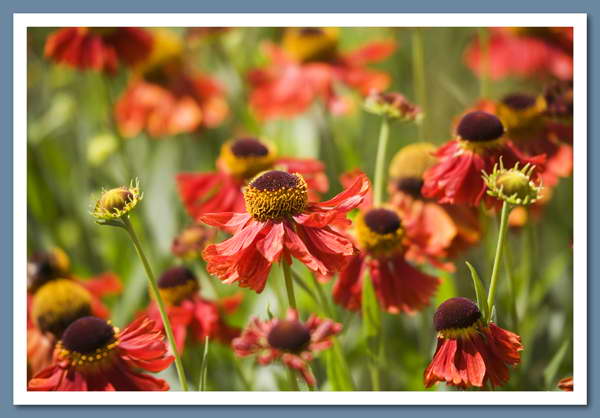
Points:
x=499 y=248
x=384 y=134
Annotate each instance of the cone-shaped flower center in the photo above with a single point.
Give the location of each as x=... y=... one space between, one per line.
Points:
x=249 y=147
x=456 y=313
x=311 y=44
x=177 y=284
x=379 y=231
x=480 y=127
x=43 y=267
x=412 y=161
x=276 y=195
x=289 y=335
x=58 y=303
x=411 y=186
x=382 y=221
x=246 y=157
x=87 y=335
x=519 y=101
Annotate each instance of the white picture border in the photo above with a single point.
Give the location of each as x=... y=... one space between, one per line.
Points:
x=22 y=397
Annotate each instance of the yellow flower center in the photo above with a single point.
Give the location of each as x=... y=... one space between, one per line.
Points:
x=88 y=344
x=58 y=303
x=413 y=160
x=246 y=157
x=379 y=232
x=311 y=44
x=276 y=195
x=520 y=113
x=177 y=284
x=43 y=267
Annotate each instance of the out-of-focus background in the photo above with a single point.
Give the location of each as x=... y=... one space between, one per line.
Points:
x=74 y=151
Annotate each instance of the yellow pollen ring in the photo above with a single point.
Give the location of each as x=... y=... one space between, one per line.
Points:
x=413 y=160
x=276 y=205
x=246 y=167
x=376 y=244
x=518 y=119
x=311 y=44
x=175 y=294
x=481 y=147
x=87 y=360
x=459 y=333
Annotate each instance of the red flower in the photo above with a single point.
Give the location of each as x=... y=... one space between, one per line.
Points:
x=288 y=340
x=55 y=299
x=166 y=98
x=469 y=352
x=480 y=143
x=100 y=49
x=434 y=231
x=93 y=355
x=190 y=243
x=281 y=223
x=398 y=285
x=566 y=384
x=190 y=313
x=239 y=161
x=307 y=67
x=524 y=55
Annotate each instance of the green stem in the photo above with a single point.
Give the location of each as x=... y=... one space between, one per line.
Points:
x=484 y=73
x=323 y=299
x=380 y=162
x=161 y=306
x=418 y=67
x=499 y=247
x=289 y=284
x=293 y=379
x=513 y=288
x=375 y=377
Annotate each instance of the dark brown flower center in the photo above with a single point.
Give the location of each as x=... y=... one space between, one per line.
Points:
x=456 y=313
x=382 y=221
x=249 y=147
x=41 y=268
x=289 y=335
x=87 y=334
x=519 y=101
x=480 y=127
x=176 y=276
x=411 y=186
x=311 y=31
x=275 y=180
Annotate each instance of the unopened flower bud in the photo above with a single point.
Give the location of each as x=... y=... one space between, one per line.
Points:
x=392 y=105
x=117 y=202
x=514 y=185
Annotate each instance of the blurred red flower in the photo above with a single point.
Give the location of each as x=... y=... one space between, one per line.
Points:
x=307 y=67
x=100 y=49
x=281 y=222
x=469 y=352
x=239 y=161
x=165 y=97
x=525 y=52
x=93 y=355
x=190 y=313
x=288 y=340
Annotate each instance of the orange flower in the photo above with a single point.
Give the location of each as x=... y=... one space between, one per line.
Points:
x=189 y=312
x=470 y=353
x=566 y=384
x=307 y=66
x=93 y=355
x=282 y=223
x=434 y=231
x=288 y=340
x=100 y=49
x=239 y=161
x=166 y=98
x=399 y=286
x=526 y=53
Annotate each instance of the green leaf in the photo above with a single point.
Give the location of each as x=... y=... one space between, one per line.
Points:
x=479 y=291
x=552 y=368
x=371 y=316
x=338 y=372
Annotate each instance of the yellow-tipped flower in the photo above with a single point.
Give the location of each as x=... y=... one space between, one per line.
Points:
x=118 y=202
x=514 y=185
